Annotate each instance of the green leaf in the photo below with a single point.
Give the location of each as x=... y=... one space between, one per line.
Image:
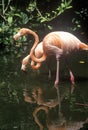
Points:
x=62 y=5
x=10 y=20
x=12 y=8
x=31 y=6
x=50 y=27
x=25 y=18
x=69 y=7
x=43 y=19
x=18 y=15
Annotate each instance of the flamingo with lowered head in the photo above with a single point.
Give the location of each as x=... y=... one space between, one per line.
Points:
x=38 y=51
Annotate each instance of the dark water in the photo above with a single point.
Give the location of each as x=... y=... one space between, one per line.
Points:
x=23 y=96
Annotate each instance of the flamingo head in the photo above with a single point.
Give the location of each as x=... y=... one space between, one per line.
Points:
x=20 y=33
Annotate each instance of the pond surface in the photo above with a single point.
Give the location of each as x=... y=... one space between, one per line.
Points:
x=29 y=101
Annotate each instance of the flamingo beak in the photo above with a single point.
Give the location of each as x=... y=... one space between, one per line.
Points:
x=23 y=67
x=16 y=36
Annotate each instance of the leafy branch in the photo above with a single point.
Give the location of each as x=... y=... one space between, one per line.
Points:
x=65 y=4
x=5 y=8
x=32 y=7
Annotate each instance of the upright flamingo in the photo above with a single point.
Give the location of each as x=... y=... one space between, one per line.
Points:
x=59 y=43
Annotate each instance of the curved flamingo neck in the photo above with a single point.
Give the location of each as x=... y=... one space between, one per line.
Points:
x=25 y=31
x=33 y=57
x=35 y=37
x=35 y=42
x=28 y=31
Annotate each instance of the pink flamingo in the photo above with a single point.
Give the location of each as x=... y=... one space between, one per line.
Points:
x=59 y=43
x=38 y=50
x=55 y=43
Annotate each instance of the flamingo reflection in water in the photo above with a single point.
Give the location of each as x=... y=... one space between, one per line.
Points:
x=45 y=105
x=48 y=106
x=55 y=43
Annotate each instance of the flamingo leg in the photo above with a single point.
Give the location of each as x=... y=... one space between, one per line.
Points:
x=48 y=61
x=72 y=79
x=57 y=72
x=56 y=83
